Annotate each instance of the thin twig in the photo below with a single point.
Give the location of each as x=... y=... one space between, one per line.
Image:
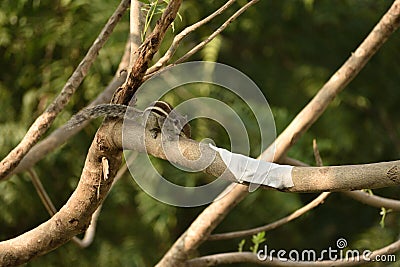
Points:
x=317 y=156
x=291 y=161
x=249 y=257
x=44 y=121
x=91 y=231
x=390 y=129
x=209 y=38
x=201 y=228
x=48 y=204
x=179 y=37
x=62 y=134
x=218 y=31
x=268 y=227
x=44 y=197
x=373 y=200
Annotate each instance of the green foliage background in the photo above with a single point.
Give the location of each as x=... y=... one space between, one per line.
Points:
x=289 y=48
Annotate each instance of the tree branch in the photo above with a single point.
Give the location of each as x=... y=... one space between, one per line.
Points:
x=145 y=53
x=179 y=37
x=358 y=195
x=134 y=41
x=201 y=228
x=317 y=156
x=374 y=201
x=218 y=31
x=74 y=217
x=44 y=197
x=44 y=121
x=209 y=38
x=268 y=227
x=135 y=27
x=62 y=134
x=248 y=257
x=190 y=153
x=361 y=196
x=51 y=209
x=348 y=71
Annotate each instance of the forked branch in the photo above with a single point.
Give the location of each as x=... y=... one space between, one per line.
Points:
x=74 y=217
x=201 y=228
x=44 y=121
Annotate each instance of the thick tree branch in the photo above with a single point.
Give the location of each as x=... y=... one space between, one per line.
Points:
x=190 y=154
x=145 y=53
x=201 y=228
x=51 y=209
x=348 y=71
x=74 y=217
x=62 y=134
x=134 y=41
x=44 y=121
x=361 y=196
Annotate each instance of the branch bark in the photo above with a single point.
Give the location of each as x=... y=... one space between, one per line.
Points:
x=192 y=154
x=363 y=197
x=44 y=121
x=268 y=227
x=248 y=257
x=179 y=37
x=62 y=134
x=144 y=55
x=201 y=228
x=374 y=201
x=74 y=217
x=218 y=31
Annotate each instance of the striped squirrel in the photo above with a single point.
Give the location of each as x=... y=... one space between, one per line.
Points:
x=155 y=115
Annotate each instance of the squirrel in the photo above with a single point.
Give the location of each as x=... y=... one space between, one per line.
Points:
x=158 y=117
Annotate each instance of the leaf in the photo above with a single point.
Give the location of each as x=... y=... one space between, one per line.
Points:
x=257 y=240
x=241 y=245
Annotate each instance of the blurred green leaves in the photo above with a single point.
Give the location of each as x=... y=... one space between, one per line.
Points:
x=289 y=48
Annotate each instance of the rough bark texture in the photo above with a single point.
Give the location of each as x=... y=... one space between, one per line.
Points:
x=44 y=121
x=198 y=232
x=74 y=217
x=145 y=53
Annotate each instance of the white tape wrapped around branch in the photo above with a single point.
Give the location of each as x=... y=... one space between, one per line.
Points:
x=254 y=171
